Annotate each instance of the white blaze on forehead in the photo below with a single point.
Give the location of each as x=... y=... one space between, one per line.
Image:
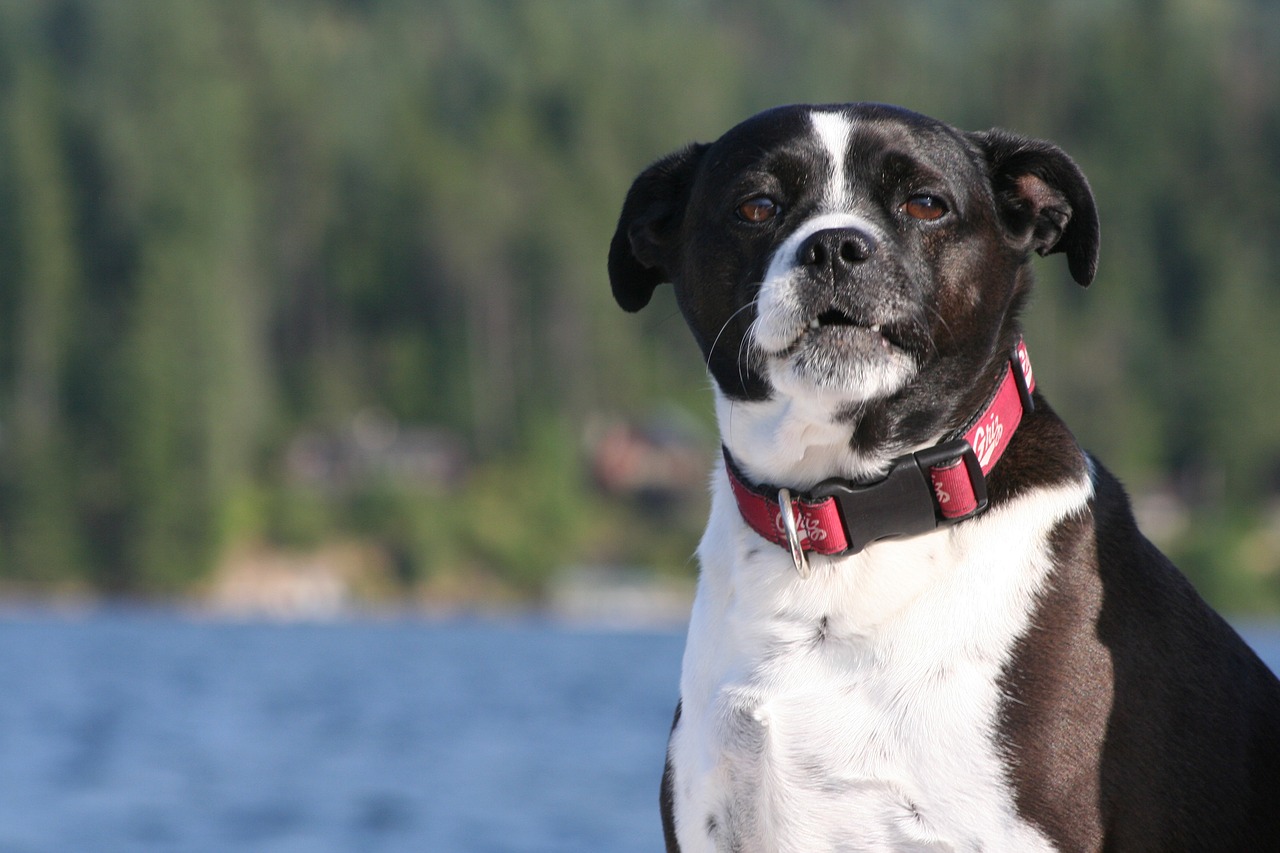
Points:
x=832 y=130
x=780 y=312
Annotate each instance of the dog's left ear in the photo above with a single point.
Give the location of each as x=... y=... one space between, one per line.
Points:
x=1044 y=199
x=642 y=254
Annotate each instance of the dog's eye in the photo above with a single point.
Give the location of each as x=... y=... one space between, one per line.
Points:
x=925 y=207
x=759 y=209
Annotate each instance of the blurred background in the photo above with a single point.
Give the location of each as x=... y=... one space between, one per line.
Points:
x=307 y=298
x=304 y=312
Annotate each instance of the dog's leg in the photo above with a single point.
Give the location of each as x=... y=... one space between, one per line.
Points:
x=666 y=798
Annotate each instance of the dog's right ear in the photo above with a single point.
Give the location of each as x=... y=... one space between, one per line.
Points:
x=641 y=255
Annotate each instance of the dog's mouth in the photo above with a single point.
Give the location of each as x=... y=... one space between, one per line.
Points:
x=839 y=325
x=855 y=353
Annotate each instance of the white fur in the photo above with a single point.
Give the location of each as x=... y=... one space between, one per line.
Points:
x=833 y=131
x=792 y=440
x=880 y=734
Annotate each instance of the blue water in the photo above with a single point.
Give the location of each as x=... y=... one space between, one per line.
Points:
x=148 y=732
x=124 y=732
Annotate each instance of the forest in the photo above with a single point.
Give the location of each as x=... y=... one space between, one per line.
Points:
x=293 y=277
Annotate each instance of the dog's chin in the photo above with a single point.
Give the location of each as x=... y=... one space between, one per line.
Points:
x=845 y=363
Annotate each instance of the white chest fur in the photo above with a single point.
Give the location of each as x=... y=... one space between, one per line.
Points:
x=857 y=710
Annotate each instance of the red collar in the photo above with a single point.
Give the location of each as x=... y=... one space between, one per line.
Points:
x=922 y=491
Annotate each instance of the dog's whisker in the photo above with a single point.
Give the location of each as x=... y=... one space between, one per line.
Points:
x=925 y=327
x=711 y=349
x=742 y=345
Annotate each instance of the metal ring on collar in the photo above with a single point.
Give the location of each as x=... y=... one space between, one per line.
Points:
x=788 y=514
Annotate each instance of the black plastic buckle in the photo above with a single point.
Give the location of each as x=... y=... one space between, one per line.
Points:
x=1020 y=380
x=903 y=503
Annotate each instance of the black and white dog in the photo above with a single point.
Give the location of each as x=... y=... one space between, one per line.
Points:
x=925 y=619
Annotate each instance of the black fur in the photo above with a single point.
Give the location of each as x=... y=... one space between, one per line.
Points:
x=1135 y=718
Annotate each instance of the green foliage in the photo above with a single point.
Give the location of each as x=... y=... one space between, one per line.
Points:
x=226 y=223
x=1234 y=539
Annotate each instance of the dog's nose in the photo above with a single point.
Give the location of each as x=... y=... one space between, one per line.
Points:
x=837 y=248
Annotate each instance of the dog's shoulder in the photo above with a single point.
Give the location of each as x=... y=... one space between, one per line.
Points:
x=1120 y=637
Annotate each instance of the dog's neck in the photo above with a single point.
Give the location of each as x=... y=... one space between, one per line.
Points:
x=799 y=441
x=793 y=441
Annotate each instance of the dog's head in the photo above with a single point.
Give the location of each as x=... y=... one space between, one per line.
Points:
x=860 y=263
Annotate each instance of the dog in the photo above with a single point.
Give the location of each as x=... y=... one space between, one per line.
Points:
x=925 y=618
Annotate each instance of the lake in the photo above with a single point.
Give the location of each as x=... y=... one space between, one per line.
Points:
x=144 y=731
